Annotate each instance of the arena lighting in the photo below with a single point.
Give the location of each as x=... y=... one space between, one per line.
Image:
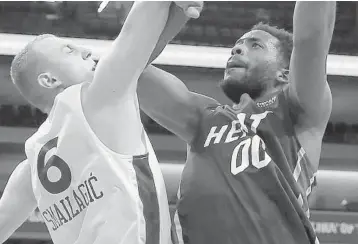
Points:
x=178 y=55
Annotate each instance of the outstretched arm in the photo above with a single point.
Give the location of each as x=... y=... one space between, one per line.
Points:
x=313 y=24
x=178 y=17
x=110 y=102
x=167 y=100
x=164 y=97
x=17 y=201
x=117 y=72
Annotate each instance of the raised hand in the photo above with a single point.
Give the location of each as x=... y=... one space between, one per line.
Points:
x=192 y=9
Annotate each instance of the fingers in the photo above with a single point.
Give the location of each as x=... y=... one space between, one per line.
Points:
x=193 y=12
x=192 y=9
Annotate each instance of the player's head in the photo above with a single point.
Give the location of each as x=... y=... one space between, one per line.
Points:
x=259 y=62
x=46 y=66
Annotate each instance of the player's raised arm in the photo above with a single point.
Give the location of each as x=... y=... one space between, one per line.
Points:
x=167 y=100
x=164 y=97
x=118 y=71
x=178 y=17
x=17 y=201
x=313 y=24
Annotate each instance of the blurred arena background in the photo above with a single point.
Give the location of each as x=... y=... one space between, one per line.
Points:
x=197 y=55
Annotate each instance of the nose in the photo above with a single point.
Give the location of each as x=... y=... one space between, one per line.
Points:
x=238 y=49
x=86 y=54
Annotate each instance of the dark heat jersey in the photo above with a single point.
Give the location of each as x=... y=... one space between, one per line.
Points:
x=247 y=179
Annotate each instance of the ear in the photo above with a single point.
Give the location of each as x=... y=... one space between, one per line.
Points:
x=48 y=81
x=282 y=75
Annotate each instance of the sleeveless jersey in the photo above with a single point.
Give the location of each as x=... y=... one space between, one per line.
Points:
x=247 y=179
x=87 y=193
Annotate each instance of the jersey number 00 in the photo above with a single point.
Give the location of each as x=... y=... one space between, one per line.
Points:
x=257 y=146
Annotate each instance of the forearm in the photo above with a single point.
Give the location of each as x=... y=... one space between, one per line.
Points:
x=176 y=21
x=144 y=24
x=313 y=25
x=17 y=201
x=156 y=13
x=118 y=71
x=313 y=20
x=12 y=218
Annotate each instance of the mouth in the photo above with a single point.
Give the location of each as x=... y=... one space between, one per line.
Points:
x=94 y=66
x=235 y=64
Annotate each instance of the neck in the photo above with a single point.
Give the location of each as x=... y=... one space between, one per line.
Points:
x=48 y=102
x=43 y=108
x=262 y=98
x=266 y=94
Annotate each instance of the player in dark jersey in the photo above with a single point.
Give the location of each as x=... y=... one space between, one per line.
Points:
x=250 y=166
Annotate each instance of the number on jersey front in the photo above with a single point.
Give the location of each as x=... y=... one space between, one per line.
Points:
x=54 y=187
x=249 y=150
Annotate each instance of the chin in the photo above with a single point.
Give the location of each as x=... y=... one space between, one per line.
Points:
x=231 y=89
x=234 y=88
x=234 y=74
x=88 y=77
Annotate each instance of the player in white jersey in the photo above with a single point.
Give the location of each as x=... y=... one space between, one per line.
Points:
x=90 y=168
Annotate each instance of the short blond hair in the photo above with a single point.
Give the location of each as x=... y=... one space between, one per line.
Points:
x=25 y=61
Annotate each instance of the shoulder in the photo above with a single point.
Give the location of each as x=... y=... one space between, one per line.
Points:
x=66 y=104
x=203 y=102
x=308 y=129
x=66 y=101
x=310 y=113
x=205 y=106
x=288 y=105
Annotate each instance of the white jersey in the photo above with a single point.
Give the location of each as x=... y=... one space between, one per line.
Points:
x=87 y=193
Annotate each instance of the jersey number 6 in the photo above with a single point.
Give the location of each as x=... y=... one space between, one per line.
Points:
x=257 y=146
x=54 y=161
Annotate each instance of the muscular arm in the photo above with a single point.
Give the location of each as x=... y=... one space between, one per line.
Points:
x=17 y=201
x=313 y=24
x=164 y=97
x=110 y=103
x=176 y=20
x=118 y=71
x=167 y=100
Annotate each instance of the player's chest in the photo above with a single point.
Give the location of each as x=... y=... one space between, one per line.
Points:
x=238 y=141
x=225 y=128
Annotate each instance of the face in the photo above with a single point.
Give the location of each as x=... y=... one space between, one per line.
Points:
x=253 y=65
x=65 y=61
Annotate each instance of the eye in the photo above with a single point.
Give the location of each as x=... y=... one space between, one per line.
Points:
x=256 y=45
x=87 y=55
x=68 y=49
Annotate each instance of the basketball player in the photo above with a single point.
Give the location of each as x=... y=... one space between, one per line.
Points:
x=250 y=166
x=90 y=168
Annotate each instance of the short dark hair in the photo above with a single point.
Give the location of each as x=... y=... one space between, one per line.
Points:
x=27 y=59
x=284 y=37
